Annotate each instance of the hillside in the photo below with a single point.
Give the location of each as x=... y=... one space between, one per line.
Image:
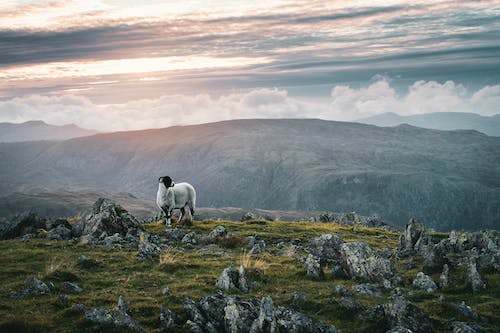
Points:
x=450 y=179
x=440 y=121
x=67 y=275
x=39 y=130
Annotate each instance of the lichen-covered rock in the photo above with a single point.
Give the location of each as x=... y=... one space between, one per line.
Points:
x=34 y=287
x=473 y=278
x=266 y=322
x=189 y=239
x=424 y=282
x=248 y=216
x=146 y=248
x=167 y=319
x=404 y=314
x=119 y=317
x=444 y=278
x=113 y=239
x=105 y=217
x=313 y=267
x=174 y=234
x=367 y=289
x=360 y=261
x=350 y=303
x=61 y=232
x=256 y=245
x=72 y=287
x=408 y=240
x=326 y=247
x=231 y=278
x=461 y=327
x=218 y=232
x=19 y=225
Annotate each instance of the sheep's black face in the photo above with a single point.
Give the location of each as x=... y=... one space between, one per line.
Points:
x=165 y=180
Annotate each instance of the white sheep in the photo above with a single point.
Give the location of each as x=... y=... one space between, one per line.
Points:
x=172 y=196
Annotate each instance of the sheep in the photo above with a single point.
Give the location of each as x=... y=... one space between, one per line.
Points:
x=172 y=196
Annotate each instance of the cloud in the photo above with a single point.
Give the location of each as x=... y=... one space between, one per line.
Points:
x=345 y=103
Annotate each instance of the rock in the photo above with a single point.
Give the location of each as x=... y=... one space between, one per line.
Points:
x=19 y=225
x=231 y=278
x=219 y=313
x=34 y=287
x=114 y=239
x=367 y=289
x=87 y=263
x=424 y=282
x=79 y=308
x=414 y=231
x=118 y=317
x=340 y=289
x=105 y=217
x=326 y=247
x=52 y=224
x=473 y=278
x=399 y=329
x=61 y=232
x=167 y=319
x=266 y=322
x=147 y=249
x=444 y=278
x=298 y=298
x=174 y=234
x=349 y=303
x=313 y=267
x=248 y=216
x=461 y=327
x=375 y=312
x=189 y=239
x=165 y=291
x=69 y=286
x=212 y=249
x=360 y=261
x=338 y=272
x=257 y=245
x=218 y=232
x=404 y=314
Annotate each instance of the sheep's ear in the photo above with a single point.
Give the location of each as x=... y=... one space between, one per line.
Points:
x=160 y=179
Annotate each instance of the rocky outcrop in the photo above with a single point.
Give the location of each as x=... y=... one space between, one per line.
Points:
x=61 y=232
x=367 y=290
x=360 y=261
x=220 y=313
x=402 y=314
x=21 y=224
x=231 y=278
x=326 y=247
x=444 y=278
x=424 y=282
x=168 y=319
x=106 y=218
x=34 y=287
x=411 y=239
x=313 y=267
x=116 y=318
x=147 y=249
x=473 y=278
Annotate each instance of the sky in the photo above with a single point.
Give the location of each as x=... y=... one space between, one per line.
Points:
x=117 y=65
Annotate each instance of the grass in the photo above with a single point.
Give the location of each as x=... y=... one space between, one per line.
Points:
x=111 y=273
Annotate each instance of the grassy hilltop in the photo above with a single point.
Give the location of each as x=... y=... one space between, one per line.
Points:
x=187 y=271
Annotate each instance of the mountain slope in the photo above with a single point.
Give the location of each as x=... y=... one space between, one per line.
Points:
x=449 y=179
x=440 y=121
x=38 y=130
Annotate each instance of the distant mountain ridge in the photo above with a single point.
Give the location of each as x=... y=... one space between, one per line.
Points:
x=449 y=179
x=37 y=130
x=440 y=121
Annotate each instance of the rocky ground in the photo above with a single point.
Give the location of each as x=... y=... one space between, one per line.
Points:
x=107 y=271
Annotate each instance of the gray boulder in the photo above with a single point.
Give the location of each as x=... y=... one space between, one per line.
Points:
x=146 y=248
x=424 y=282
x=61 y=232
x=256 y=245
x=189 y=239
x=105 y=217
x=350 y=303
x=461 y=327
x=248 y=216
x=19 y=225
x=266 y=322
x=174 y=234
x=114 y=239
x=313 y=267
x=367 y=290
x=409 y=239
x=473 y=278
x=167 y=319
x=404 y=314
x=218 y=232
x=360 y=261
x=34 y=287
x=231 y=278
x=116 y=318
x=326 y=247
x=444 y=278
x=71 y=287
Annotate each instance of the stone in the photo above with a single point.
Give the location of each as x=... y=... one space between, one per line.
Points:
x=444 y=278
x=257 y=245
x=349 y=303
x=414 y=231
x=367 y=290
x=165 y=291
x=114 y=239
x=105 y=217
x=72 y=287
x=34 y=287
x=87 y=263
x=326 y=247
x=61 y=232
x=19 y=225
x=338 y=272
x=313 y=267
x=473 y=278
x=147 y=249
x=341 y=290
x=298 y=298
x=461 y=327
x=248 y=216
x=167 y=318
x=231 y=278
x=266 y=322
x=404 y=314
x=118 y=317
x=424 y=282
x=174 y=234
x=360 y=261
x=189 y=239
x=218 y=232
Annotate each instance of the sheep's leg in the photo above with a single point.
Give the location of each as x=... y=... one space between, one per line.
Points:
x=168 y=222
x=183 y=211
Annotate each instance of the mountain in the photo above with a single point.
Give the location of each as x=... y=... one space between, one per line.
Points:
x=38 y=130
x=441 y=121
x=450 y=179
